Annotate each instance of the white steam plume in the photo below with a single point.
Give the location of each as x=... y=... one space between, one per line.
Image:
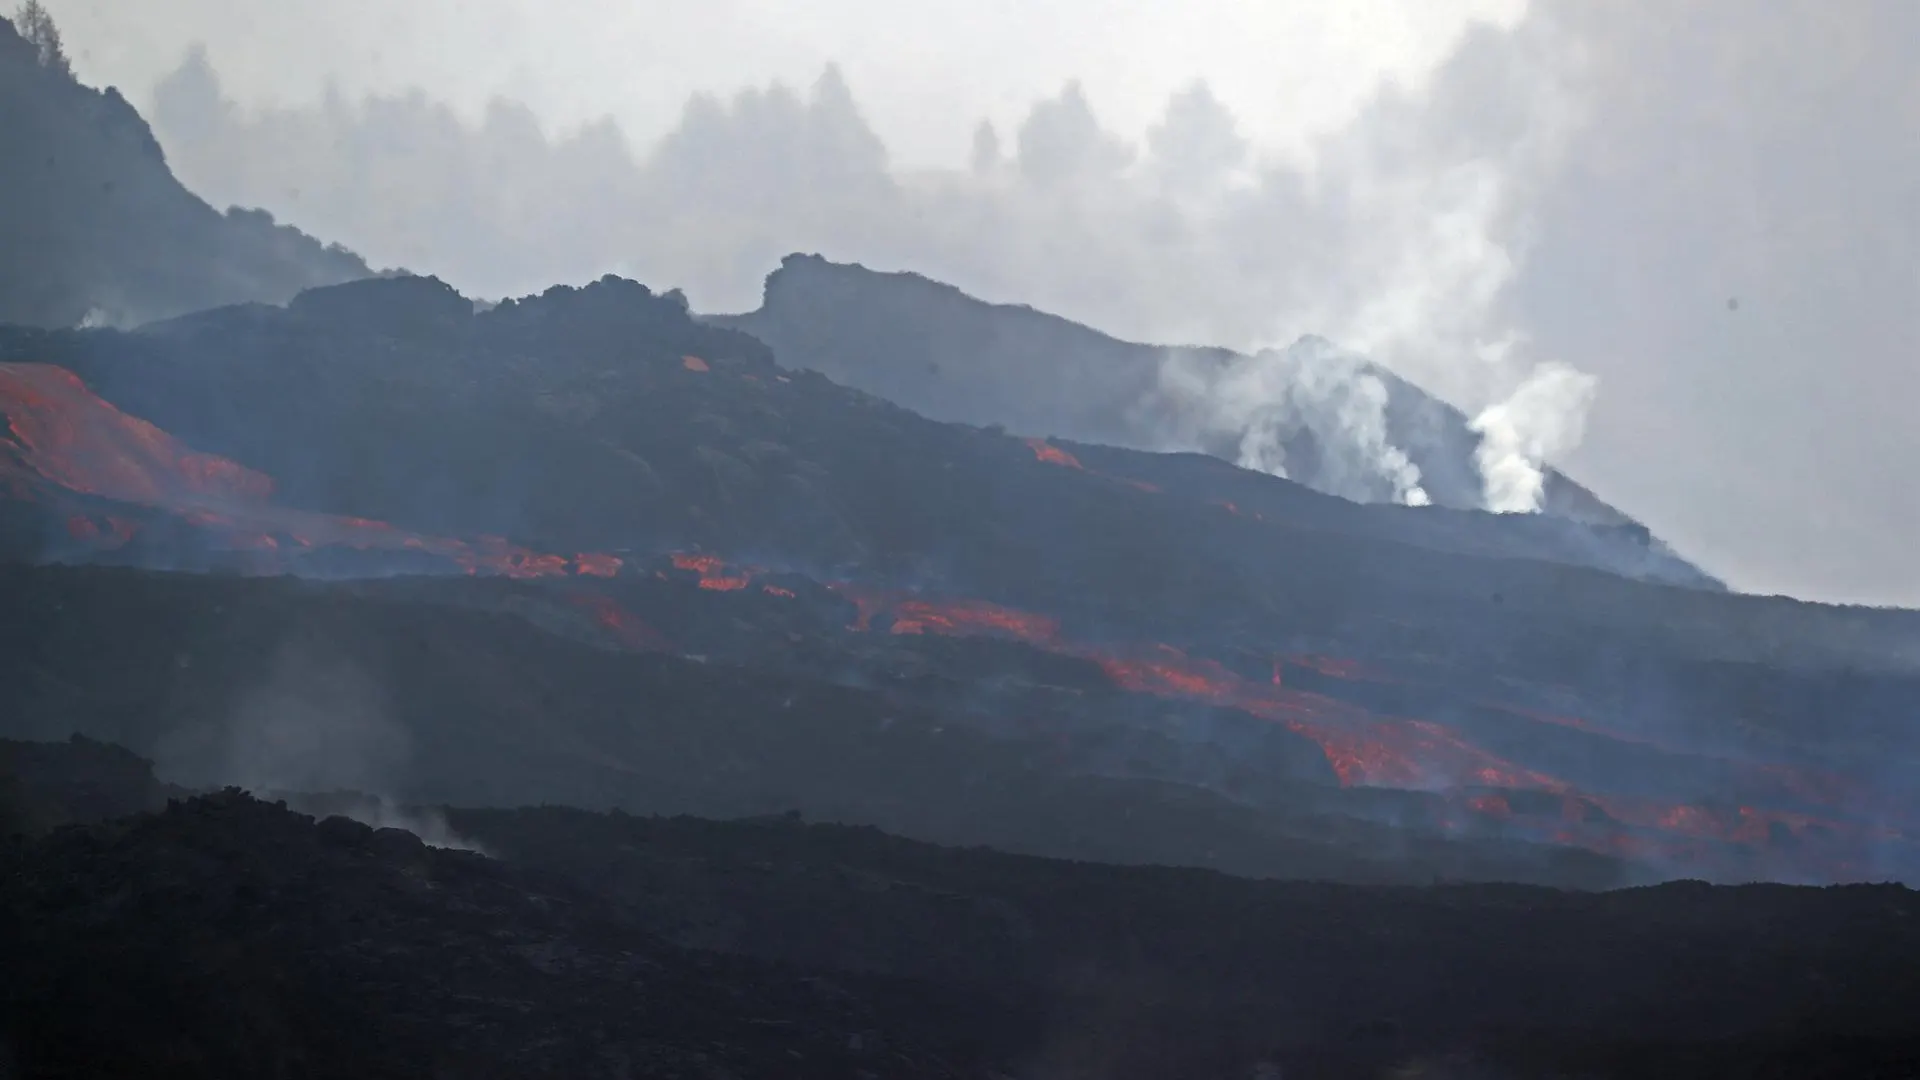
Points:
x=1271 y=399
x=1544 y=417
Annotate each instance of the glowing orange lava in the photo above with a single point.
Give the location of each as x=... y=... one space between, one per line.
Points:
x=693 y=363
x=61 y=436
x=713 y=572
x=1361 y=748
x=1379 y=751
x=1053 y=455
x=64 y=434
x=594 y=565
x=61 y=442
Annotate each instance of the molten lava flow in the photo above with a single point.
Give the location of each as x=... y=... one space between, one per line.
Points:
x=972 y=617
x=1361 y=748
x=61 y=436
x=1378 y=751
x=63 y=433
x=69 y=451
x=693 y=363
x=713 y=572
x=1053 y=455
x=914 y=615
x=593 y=565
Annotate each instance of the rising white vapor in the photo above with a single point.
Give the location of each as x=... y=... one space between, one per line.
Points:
x=1543 y=419
x=1274 y=398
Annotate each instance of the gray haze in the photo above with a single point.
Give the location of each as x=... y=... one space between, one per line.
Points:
x=312 y=724
x=1550 y=228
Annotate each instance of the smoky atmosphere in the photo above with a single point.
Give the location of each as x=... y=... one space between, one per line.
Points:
x=1022 y=541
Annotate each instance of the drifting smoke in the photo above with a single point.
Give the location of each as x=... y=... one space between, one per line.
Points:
x=1541 y=420
x=314 y=725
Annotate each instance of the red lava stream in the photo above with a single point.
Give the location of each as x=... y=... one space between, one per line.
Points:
x=62 y=437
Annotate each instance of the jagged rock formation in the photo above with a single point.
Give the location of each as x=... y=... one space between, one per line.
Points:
x=94 y=227
x=942 y=353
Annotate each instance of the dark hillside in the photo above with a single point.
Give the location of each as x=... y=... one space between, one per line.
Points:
x=94 y=226
x=225 y=936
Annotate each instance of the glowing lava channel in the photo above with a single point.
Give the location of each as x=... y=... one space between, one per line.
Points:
x=1391 y=752
x=61 y=436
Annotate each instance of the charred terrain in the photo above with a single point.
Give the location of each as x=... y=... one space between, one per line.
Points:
x=223 y=935
x=1035 y=757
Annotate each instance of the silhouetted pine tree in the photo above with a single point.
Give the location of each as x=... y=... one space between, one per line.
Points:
x=36 y=25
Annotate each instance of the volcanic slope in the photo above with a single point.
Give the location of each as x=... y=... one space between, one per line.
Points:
x=222 y=935
x=95 y=226
x=594 y=438
x=936 y=350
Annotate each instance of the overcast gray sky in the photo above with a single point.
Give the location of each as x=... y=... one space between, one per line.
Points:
x=927 y=69
x=1473 y=191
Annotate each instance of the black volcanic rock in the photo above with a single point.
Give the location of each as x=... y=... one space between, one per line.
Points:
x=403 y=306
x=46 y=785
x=1178 y=969
x=94 y=225
x=226 y=936
x=614 y=317
x=229 y=937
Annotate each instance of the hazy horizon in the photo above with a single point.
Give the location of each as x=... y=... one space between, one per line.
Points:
x=1679 y=246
